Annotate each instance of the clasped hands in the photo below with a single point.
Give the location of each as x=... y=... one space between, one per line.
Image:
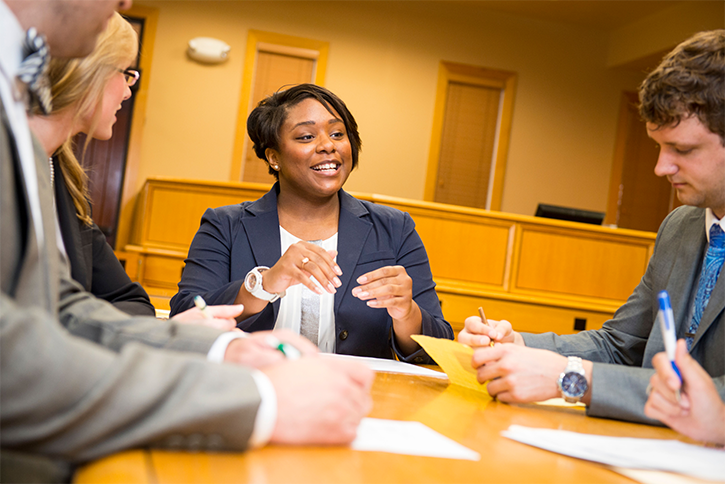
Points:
x=515 y=373
x=389 y=287
x=318 y=400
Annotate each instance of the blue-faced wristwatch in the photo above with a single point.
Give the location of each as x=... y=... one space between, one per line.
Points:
x=573 y=381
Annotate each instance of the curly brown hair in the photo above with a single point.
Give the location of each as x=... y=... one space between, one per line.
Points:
x=690 y=80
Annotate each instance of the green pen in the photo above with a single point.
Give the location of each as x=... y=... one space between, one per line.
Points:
x=289 y=351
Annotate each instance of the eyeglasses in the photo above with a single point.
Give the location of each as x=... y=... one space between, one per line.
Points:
x=130 y=75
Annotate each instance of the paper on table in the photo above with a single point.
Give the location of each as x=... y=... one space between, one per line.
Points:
x=560 y=402
x=454 y=358
x=389 y=366
x=658 y=477
x=410 y=438
x=653 y=454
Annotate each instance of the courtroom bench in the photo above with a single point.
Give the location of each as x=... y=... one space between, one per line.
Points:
x=540 y=274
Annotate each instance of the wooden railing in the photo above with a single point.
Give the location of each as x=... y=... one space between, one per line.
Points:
x=540 y=274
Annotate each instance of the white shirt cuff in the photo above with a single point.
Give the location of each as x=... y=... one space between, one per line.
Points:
x=266 y=417
x=219 y=348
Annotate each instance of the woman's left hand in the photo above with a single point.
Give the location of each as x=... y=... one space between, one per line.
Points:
x=389 y=287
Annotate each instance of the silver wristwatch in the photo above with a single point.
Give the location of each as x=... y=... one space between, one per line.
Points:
x=573 y=381
x=253 y=283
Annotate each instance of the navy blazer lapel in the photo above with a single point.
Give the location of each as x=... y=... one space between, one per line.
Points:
x=685 y=270
x=261 y=224
x=352 y=232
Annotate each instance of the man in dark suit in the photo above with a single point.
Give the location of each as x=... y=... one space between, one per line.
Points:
x=79 y=379
x=683 y=103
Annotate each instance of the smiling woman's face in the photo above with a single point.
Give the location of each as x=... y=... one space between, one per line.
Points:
x=314 y=156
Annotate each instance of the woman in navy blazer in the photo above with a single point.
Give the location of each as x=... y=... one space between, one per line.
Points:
x=368 y=257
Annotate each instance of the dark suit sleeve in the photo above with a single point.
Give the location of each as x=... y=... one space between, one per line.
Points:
x=411 y=254
x=111 y=283
x=208 y=266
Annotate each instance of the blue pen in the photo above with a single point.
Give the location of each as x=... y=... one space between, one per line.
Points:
x=667 y=323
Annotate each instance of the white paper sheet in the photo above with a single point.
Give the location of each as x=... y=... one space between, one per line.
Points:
x=560 y=402
x=652 y=454
x=658 y=477
x=390 y=366
x=410 y=438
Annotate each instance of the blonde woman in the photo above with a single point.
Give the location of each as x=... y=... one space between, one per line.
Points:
x=86 y=94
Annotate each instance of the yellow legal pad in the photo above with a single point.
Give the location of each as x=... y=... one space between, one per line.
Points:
x=454 y=358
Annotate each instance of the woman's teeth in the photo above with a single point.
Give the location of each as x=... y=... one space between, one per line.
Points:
x=325 y=166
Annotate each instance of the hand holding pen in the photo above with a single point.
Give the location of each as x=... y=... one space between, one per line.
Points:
x=485 y=322
x=264 y=348
x=217 y=317
x=667 y=325
x=700 y=412
x=480 y=331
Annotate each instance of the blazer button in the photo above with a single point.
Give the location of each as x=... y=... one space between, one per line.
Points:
x=343 y=334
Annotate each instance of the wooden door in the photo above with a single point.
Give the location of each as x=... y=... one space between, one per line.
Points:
x=274 y=71
x=470 y=139
x=638 y=199
x=467 y=144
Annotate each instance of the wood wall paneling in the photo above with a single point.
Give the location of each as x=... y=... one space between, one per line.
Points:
x=571 y=263
x=540 y=274
x=467 y=250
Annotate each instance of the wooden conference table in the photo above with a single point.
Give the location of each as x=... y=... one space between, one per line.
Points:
x=460 y=414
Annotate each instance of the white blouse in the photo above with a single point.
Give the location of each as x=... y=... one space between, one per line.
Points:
x=289 y=308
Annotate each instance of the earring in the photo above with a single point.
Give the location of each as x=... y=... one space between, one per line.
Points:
x=275 y=167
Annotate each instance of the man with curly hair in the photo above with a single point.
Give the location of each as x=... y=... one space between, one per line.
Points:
x=683 y=104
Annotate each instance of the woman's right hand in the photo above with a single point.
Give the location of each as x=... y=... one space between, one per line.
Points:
x=298 y=264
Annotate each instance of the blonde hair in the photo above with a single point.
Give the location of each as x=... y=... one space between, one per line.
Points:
x=79 y=84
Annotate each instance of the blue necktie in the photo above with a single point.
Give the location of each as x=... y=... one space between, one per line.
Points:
x=708 y=277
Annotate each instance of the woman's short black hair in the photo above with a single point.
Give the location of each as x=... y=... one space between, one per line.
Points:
x=266 y=120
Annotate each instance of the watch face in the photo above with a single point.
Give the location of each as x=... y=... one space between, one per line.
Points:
x=574 y=384
x=251 y=281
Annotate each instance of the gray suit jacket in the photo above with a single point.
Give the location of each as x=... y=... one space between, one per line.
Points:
x=74 y=381
x=622 y=350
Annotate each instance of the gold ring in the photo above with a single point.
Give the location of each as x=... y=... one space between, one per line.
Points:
x=305 y=260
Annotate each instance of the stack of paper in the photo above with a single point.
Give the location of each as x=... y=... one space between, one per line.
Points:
x=653 y=454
